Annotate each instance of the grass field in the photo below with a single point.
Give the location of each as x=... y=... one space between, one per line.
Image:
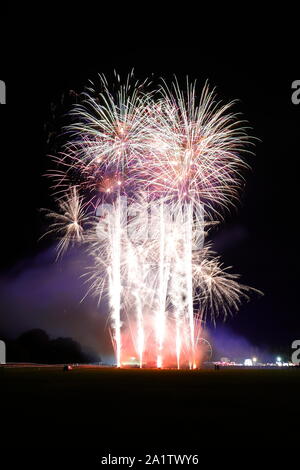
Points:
x=154 y=409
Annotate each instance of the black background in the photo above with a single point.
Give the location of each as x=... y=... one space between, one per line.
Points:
x=249 y=57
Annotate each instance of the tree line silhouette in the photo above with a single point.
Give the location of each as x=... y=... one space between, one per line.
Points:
x=36 y=346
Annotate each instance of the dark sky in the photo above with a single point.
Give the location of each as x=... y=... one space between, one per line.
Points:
x=42 y=63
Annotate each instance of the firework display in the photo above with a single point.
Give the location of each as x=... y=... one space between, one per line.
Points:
x=144 y=175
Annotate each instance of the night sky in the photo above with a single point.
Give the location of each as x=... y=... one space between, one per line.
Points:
x=260 y=239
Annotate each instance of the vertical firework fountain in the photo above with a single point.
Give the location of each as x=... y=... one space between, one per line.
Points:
x=159 y=167
x=115 y=286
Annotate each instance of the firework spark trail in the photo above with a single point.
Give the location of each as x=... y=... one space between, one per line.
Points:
x=181 y=286
x=181 y=157
x=136 y=285
x=140 y=327
x=177 y=288
x=69 y=221
x=188 y=224
x=115 y=287
x=160 y=321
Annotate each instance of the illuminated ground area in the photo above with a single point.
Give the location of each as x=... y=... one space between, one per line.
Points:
x=157 y=409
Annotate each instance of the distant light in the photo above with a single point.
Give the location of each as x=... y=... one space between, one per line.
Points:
x=248 y=362
x=254 y=359
x=278 y=359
